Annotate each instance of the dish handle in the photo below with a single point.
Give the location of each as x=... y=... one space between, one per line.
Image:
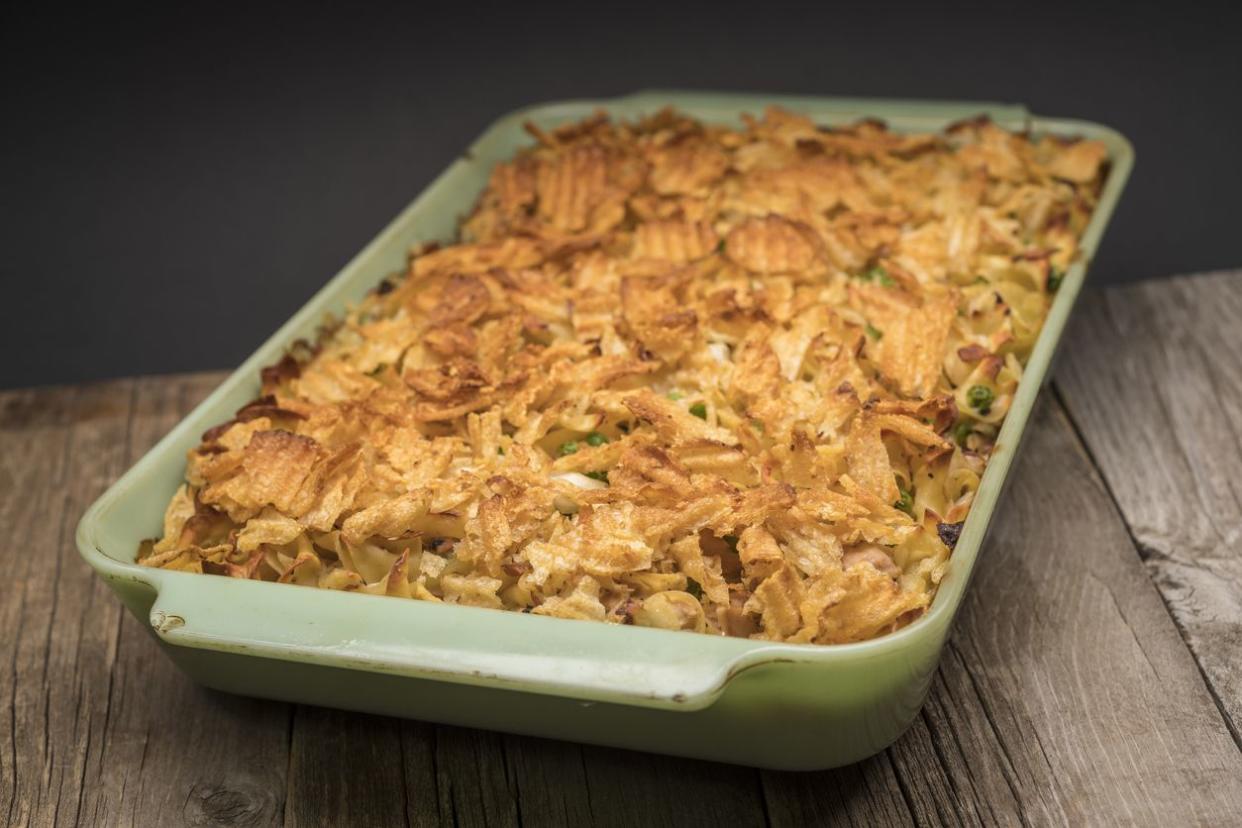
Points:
x=588 y=661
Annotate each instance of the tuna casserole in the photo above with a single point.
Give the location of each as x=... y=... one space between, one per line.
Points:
x=741 y=381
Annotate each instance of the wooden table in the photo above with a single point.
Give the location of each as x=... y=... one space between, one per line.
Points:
x=1094 y=676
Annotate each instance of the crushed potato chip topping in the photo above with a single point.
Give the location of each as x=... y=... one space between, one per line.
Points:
x=736 y=381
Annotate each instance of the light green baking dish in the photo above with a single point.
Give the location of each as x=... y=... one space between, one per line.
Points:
x=734 y=700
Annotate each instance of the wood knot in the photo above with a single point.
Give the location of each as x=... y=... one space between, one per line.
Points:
x=228 y=805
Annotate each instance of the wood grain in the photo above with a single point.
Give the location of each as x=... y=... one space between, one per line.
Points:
x=103 y=731
x=1152 y=378
x=344 y=769
x=1067 y=693
x=1084 y=682
x=49 y=694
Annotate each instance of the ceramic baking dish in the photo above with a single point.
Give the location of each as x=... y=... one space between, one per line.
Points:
x=734 y=700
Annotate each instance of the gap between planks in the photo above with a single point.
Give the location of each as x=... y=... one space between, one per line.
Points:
x=1172 y=352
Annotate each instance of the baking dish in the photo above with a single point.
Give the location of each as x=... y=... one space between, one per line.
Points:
x=702 y=696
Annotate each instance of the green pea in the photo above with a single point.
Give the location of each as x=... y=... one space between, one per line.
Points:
x=981 y=398
x=596 y=439
x=877 y=274
x=874 y=332
x=602 y=476
x=1055 y=277
x=569 y=447
x=962 y=430
x=699 y=410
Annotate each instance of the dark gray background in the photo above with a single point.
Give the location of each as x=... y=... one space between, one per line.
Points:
x=176 y=184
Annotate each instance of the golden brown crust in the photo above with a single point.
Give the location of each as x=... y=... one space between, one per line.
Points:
x=738 y=381
x=674 y=240
x=771 y=244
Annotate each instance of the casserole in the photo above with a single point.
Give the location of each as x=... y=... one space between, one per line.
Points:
x=641 y=688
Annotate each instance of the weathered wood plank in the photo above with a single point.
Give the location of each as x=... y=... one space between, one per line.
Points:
x=629 y=789
x=868 y=793
x=1092 y=696
x=104 y=729
x=423 y=805
x=43 y=752
x=416 y=773
x=473 y=778
x=551 y=781
x=345 y=769
x=1152 y=378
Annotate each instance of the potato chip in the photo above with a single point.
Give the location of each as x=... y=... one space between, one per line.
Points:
x=911 y=345
x=771 y=245
x=674 y=240
x=687 y=169
x=1079 y=162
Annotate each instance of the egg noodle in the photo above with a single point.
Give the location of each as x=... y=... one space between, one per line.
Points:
x=740 y=381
